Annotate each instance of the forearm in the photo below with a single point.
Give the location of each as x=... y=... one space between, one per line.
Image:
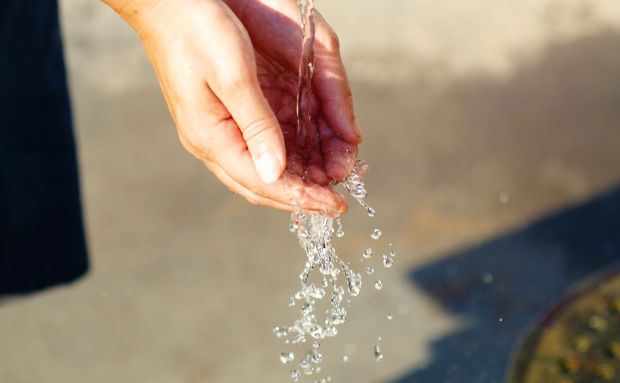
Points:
x=130 y=10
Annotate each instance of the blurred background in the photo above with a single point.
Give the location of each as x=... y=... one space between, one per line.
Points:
x=491 y=131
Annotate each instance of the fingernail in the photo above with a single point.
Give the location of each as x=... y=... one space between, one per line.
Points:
x=268 y=167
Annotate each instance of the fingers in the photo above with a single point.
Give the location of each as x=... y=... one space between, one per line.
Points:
x=332 y=86
x=223 y=151
x=306 y=160
x=279 y=20
x=260 y=129
x=339 y=155
x=286 y=190
x=224 y=119
x=236 y=187
x=232 y=77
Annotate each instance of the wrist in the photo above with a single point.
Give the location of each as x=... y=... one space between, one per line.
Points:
x=140 y=15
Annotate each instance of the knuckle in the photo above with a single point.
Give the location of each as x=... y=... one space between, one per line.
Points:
x=196 y=142
x=257 y=128
x=238 y=82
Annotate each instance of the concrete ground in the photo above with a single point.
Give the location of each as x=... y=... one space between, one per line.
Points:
x=492 y=132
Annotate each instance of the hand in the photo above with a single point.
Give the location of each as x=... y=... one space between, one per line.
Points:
x=229 y=76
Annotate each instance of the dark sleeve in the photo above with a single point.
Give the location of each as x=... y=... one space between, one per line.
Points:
x=41 y=232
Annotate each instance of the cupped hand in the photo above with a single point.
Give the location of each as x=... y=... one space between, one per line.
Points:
x=228 y=72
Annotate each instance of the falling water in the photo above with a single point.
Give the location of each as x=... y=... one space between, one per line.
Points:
x=306 y=71
x=325 y=274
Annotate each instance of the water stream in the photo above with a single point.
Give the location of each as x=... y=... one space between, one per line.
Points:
x=326 y=279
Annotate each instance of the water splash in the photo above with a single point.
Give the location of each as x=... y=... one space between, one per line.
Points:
x=321 y=277
x=377 y=353
x=339 y=229
x=287 y=357
x=378 y=285
x=326 y=278
x=387 y=261
x=367 y=253
x=295 y=375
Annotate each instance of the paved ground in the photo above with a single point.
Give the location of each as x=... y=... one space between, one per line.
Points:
x=492 y=132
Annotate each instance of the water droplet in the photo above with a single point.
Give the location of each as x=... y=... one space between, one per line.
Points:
x=316 y=344
x=291 y=302
x=345 y=358
x=378 y=285
x=300 y=295
x=371 y=212
x=330 y=332
x=316 y=358
x=487 y=278
x=376 y=234
x=339 y=229
x=299 y=338
x=387 y=261
x=355 y=284
x=390 y=316
x=392 y=253
x=338 y=315
x=293 y=227
x=316 y=292
x=287 y=357
x=316 y=331
x=295 y=375
x=504 y=198
x=280 y=332
x=367 y=253
x=377 y=353
x=370 y=270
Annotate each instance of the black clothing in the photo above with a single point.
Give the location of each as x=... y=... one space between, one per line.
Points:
x=41 y=233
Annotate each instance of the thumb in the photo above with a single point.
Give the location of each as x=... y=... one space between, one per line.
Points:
x=233 y=78
x=259 y=127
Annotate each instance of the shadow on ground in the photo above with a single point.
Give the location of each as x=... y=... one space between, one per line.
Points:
x=501 y=286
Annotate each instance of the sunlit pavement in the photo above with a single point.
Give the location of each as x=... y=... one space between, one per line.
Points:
x=492 y=133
